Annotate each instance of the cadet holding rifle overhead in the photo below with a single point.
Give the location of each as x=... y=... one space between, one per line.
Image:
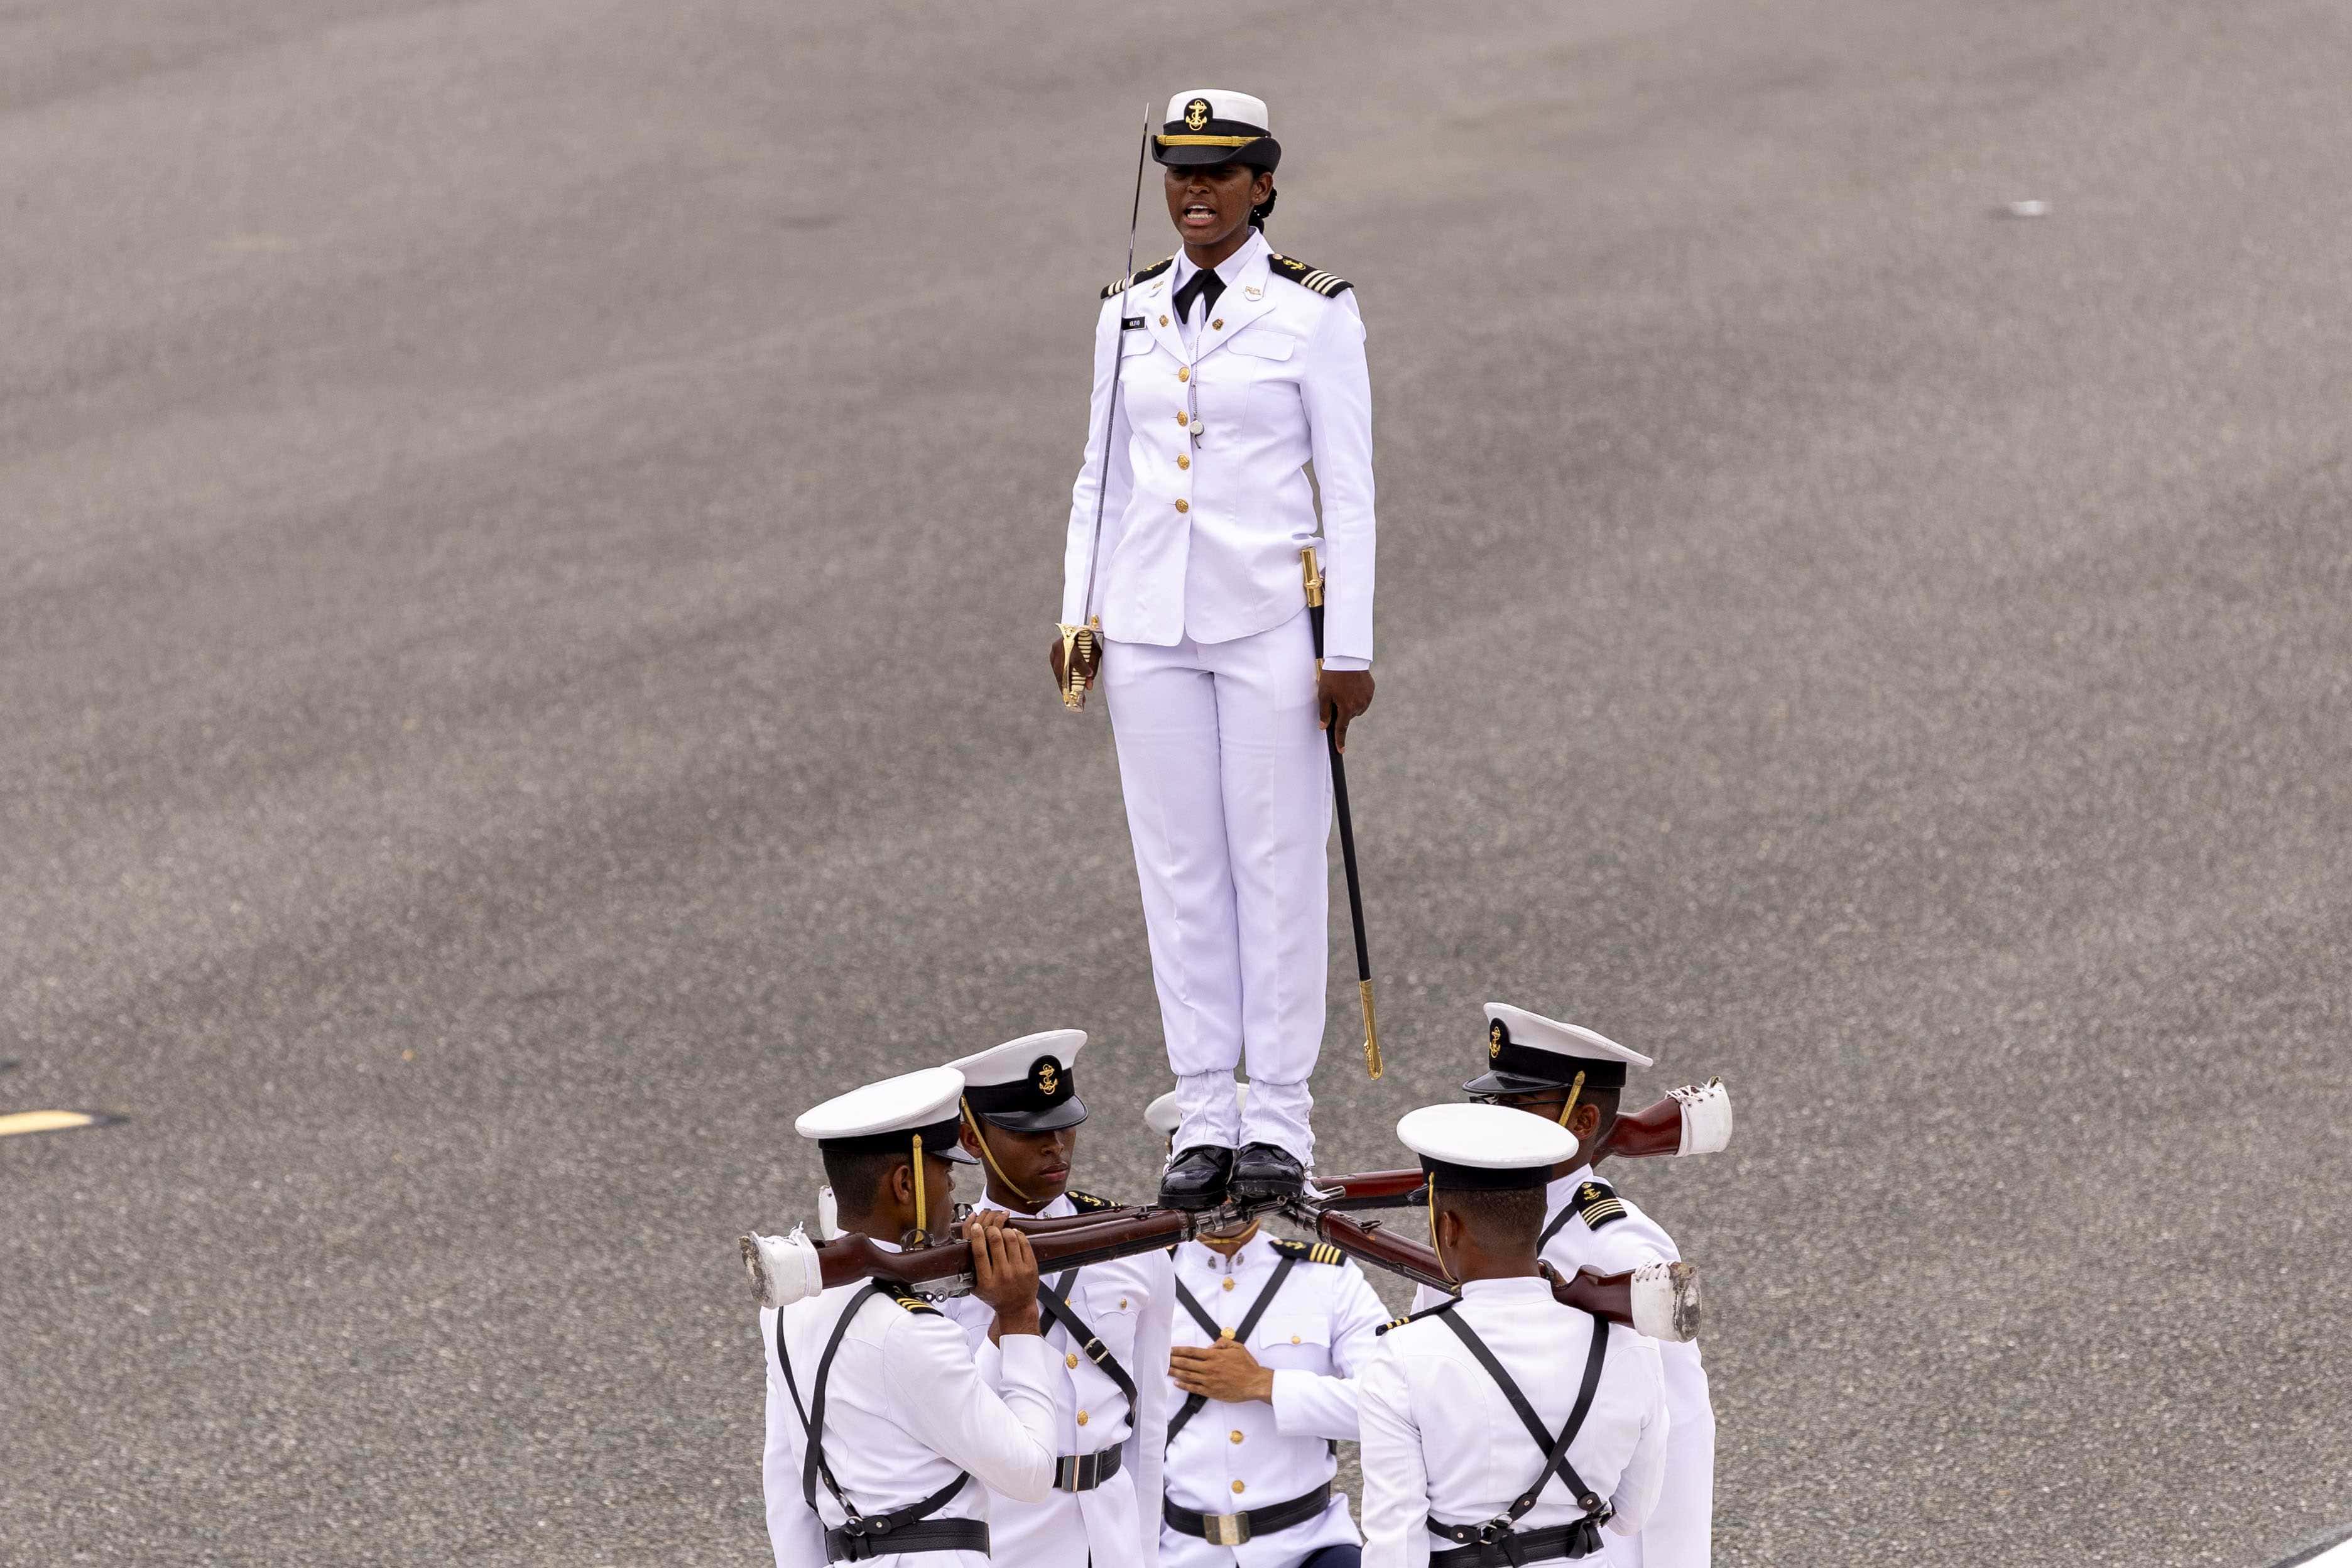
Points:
x=1220 y=375
x=883 y=1440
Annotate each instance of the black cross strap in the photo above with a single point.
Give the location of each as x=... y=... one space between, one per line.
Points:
x=1052 y=1301
x=1585 y=1536
x=1558 y=1220
x=813 y=1464
x=1194 y=1403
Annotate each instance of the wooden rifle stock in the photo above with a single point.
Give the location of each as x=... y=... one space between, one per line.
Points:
x=1610 y=1295
x=1073 y=1242
x=1647 y=1134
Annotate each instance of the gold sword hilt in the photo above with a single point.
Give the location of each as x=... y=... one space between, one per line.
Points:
x=1081 y=652
x=1371 y=1030
x=1313 y=573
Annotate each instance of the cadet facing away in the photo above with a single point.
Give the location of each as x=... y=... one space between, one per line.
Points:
x=1236 y=367
x=1499 y=1425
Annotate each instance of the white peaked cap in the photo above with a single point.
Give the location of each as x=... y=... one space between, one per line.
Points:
x=1164 y=1114
x=1013 y=1062
x=1526 y=1051
x=1223 y=105
x=1487 y=1143
x=911 y=1102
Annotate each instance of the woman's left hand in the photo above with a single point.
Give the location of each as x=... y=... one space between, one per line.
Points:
x=1341 y=695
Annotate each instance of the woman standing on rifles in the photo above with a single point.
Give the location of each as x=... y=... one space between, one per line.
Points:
x=1236 y=367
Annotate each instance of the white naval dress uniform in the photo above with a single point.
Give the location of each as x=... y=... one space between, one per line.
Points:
x=1441 y=1441
x=1208 y=668
x=1314 y=1336
x=1127 y=1302
x=1607 y=1234
x=906 y=1408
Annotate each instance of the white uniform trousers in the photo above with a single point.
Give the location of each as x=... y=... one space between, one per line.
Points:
x=1229 y=805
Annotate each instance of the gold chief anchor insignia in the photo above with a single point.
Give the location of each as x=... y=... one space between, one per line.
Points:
x=1081 y=659
x=1196 y=113
x=1494 y=1039
x=1049 y=1078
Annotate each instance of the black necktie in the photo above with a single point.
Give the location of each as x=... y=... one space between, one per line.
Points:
x=1204 y=284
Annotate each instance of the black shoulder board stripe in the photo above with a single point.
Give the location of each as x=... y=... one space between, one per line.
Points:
x=1315 y=279
x=1088 y=1201
x=1320 y=1252
x=907 y=1296
x=1119 y=285
x=1416 y=1317
x=1597 y=1204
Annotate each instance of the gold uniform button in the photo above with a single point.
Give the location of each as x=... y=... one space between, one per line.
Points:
x=1239 y=1489
x=1218 y=325
x=1182 y=505
x=1294 y=1339
x=1184 y=460
x=1122 y=1303
x=1184 y=373
x=1070 y=1360
x=1082 y=1418
x=1236 y=1437
x=1164 y=321
x=1182 y=417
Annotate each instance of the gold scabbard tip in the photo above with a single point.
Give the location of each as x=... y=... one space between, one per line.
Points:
x=1371 y=1030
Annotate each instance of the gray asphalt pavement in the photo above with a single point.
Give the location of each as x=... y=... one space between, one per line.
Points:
x=527 y=535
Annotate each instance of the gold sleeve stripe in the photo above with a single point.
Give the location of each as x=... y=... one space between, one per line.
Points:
x=1206 y=141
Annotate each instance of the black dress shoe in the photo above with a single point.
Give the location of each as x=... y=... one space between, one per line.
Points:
x=1266 y=1170
x=1196 y=1179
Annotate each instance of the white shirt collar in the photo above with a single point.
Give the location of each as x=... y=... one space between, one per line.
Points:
x=1527 y=1289
x=1256 y=1249
x=1060 y=1208
x=1230 y=269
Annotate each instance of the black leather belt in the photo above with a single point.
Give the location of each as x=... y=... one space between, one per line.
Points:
x=851 y=1543
x=1084 y=1472
x=1233 y=1529
x=1581 y=1539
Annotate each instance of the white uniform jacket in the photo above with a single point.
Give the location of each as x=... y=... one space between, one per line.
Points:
x=1126 y=1303
x=1200 y=535
x=1592 y=1226
x=1441 y=1441
x=906 y=1408
x=1314 y=1336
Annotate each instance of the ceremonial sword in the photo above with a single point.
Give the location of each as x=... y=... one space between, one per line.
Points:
x=1346 y=824
x=1082 y=643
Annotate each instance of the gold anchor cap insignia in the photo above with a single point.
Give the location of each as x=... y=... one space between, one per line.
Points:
x=1196 y=113
x=1048 y=1074
x=1497 y=1037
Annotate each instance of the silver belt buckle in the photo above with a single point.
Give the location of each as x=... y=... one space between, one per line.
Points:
x=1226 y=1528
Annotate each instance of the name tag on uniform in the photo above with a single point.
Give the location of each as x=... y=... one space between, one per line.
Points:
x=1128 y=324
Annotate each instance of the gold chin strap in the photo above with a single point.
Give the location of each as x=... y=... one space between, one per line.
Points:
x=994 y=1168
x=921 y=1230
x=1436 y=1246
x=1573 y=1090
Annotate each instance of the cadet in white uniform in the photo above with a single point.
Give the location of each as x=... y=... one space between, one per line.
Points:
x=1269 y=1336
x=1236 y=367
x=884 y=1440
x=1107 y=1324
x=1501 y=1426
x=1563 y=1073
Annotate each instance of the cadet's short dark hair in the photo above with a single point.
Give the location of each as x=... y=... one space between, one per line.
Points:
x=1498 y=1215
x=856 y=1178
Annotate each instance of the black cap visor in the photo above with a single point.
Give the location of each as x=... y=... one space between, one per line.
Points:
x=1515 y=1083
x=1052 y=1119
x=1181 y=149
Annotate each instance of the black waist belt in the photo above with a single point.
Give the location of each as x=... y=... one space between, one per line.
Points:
x=851 y=1543
x=1579 y=1539
x=1233 y=1529
x=1084 y=1472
